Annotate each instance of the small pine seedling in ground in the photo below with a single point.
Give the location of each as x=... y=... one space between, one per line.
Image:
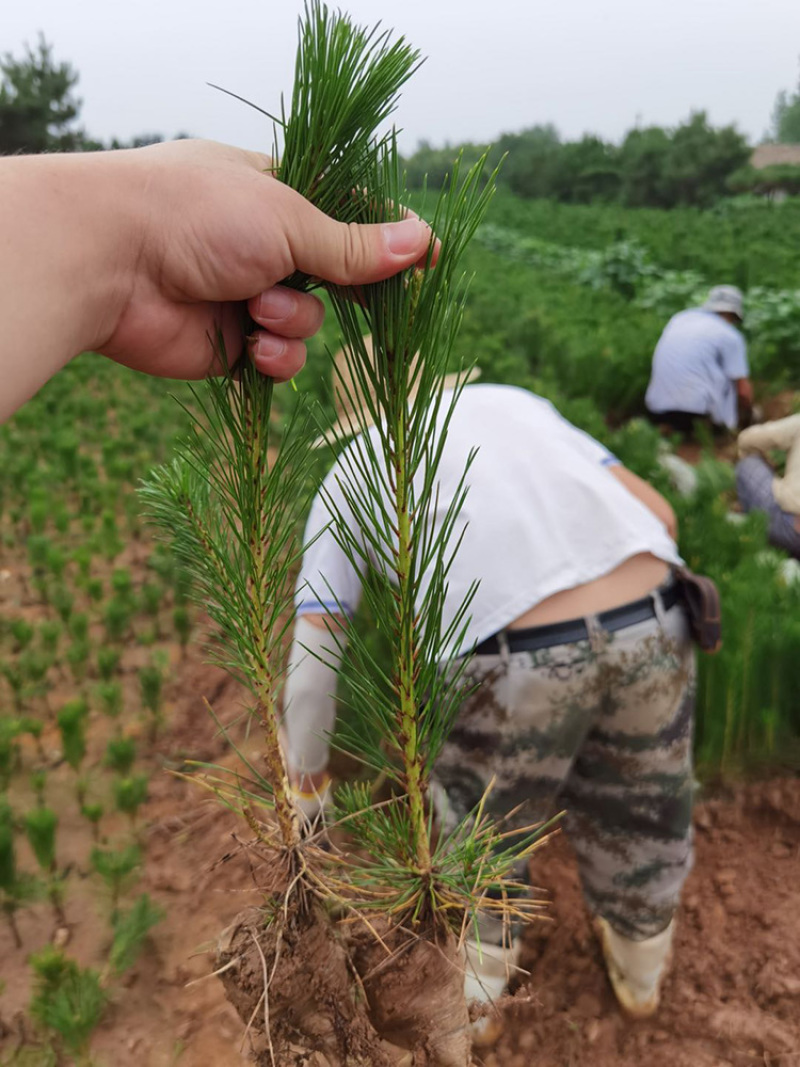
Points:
x=115 y=867
x=131 y=927
x=68 y=1001
x=130 y=793
x=41 y=825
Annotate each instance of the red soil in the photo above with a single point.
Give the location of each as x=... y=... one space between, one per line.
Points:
x=733 y=997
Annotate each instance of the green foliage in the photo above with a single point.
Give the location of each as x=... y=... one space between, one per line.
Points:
x=766 y=181
x=110 y=694
x=654 y=167
x=131 y=927
x=130 y=793
x=107 y=662
x=151 y=679
x=115 y=867
x=118 y=616
x=182 y=621
x=786 y=118
x=8 y=867
x=38 y=108
x=72 y=724
x=22 y=632
x=41 y=825
x=121 y=754
x=68 y=1000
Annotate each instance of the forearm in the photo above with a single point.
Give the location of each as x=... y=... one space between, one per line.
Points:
x=67 y=246
x=650 y=497
x=310 y=704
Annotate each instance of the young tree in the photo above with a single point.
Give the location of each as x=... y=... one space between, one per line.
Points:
x=38 y=108
x=785 y=118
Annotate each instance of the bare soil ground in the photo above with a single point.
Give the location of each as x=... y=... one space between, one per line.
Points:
x=733 y=997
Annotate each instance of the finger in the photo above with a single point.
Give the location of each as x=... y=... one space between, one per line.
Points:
x=353 y=254
x=287 y=313
x=277 y=357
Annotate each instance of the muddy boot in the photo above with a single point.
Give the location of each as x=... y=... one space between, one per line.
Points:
x=313 y=805
x=487 y=972
x=636 y=969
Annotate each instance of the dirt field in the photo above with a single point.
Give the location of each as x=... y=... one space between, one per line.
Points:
x=733 y=997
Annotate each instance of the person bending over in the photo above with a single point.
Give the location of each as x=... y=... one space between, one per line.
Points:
x=580 y=652
x=700 y=369
x=759 y=489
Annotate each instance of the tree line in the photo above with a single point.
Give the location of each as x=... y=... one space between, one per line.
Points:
x=652 y=167
x=39 y=108
x=693 y=164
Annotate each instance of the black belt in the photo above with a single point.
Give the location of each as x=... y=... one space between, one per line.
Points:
x=565 y=633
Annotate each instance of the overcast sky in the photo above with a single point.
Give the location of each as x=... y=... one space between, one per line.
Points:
x=596 y=66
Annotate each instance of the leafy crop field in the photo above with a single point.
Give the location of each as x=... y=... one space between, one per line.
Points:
x=112 y=878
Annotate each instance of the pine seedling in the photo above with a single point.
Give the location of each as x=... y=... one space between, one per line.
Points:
x=72 y=724
x=130 y=793
x=39 y=785
x=50 y=634
x=95 y=590
x=77 y=656
x=111 y=697
x=182 y=621
x=117 y=617
x=10 y=730
x=38 y=549
x=115 y=867
x=121 y=754
x=93 y=812
x=22 y=633
x=151 y=680
x=56 y=562
x=16 y=888
x=62 y=600
x=151 y=597
x=131 y=928
x=78 y=626
x=122 y=583
x=68 y=1001
x=108 y=539
x=41 y=825
x=107 y=662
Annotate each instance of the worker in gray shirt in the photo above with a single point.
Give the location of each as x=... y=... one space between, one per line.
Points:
x=700 y=368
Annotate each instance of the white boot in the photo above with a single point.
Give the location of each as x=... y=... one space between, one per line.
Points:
x=636 y=968
x=487 y=972
x=313 y=805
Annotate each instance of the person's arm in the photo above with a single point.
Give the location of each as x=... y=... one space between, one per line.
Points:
x=781 y=434
x=142 y=254
x=310 y=701
x=650 y=497
x=744 y=391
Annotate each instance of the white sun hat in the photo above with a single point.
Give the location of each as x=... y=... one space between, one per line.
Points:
x=352 y=414
x=726 y=298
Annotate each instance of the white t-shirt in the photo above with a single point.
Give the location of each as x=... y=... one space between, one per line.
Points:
x=697 y=359
x=542 y=514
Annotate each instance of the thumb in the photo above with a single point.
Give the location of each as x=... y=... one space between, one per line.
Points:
x=351 y=254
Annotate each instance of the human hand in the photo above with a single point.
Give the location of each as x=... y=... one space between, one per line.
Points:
x=213 y=229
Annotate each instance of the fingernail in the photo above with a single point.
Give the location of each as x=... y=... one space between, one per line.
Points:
x=268 y=347
x=403 y=238
x=276 y=304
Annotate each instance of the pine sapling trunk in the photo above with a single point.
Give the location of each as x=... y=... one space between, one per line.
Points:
x=407 y=651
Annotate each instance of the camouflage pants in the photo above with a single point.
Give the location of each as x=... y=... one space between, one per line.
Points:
x=602 y=728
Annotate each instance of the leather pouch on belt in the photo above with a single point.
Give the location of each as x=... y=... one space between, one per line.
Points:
x=701 y=599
